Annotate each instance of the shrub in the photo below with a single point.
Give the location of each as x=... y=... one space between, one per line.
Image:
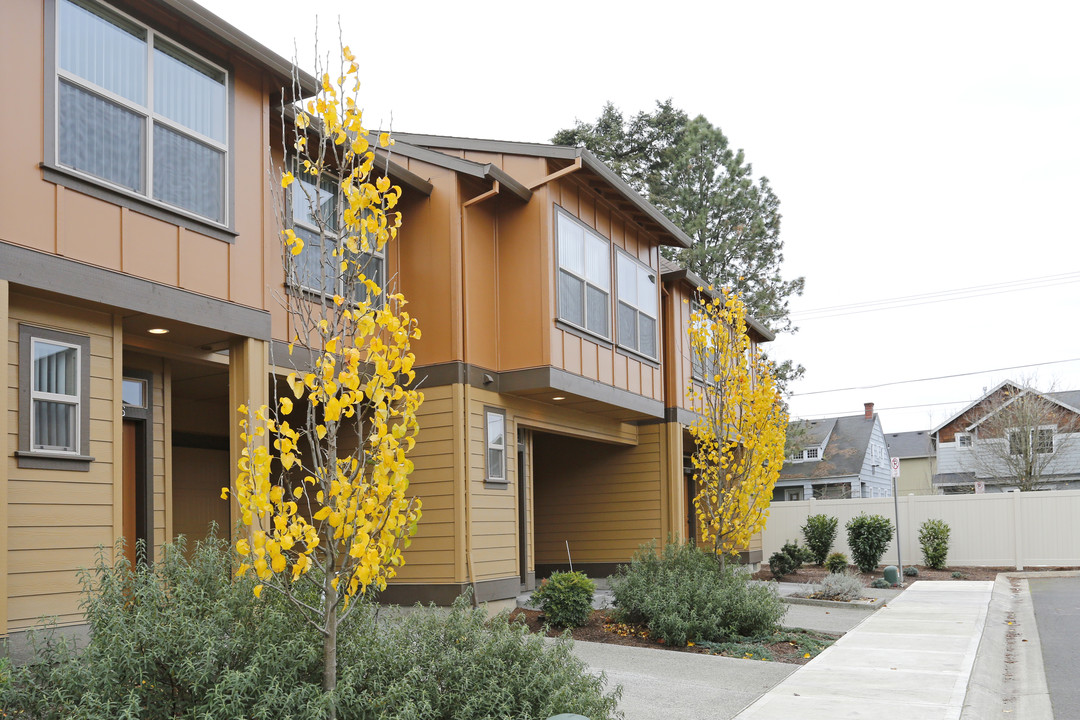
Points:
x=957 y=575
x=836 y=562
x=566 y=598
x=799 y=555
x=911 y=571
x=880 y=584
x=841 y=586
x=684 y=595
x=781 y=564
x=187 y=639
x=868 y=538
x=934 y=539
x=820 y=533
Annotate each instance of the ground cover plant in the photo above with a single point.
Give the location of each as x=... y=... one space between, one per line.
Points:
x=820 y=534
x=183 y=640
x=684 y=594
x=836 y=562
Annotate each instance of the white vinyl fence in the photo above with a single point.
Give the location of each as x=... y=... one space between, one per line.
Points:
x=1012 y=529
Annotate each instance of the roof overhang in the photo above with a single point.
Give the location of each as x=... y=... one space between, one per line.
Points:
x=682 y=274
x=482 y=171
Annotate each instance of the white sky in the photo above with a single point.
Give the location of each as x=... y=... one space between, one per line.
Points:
x=915 y=148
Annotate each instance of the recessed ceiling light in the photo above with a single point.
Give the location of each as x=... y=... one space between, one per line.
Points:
x=558 y=398
x=157 y=331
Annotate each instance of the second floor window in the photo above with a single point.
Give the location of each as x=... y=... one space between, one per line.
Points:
x=138 y=112
x=584 y=277
x=1035 y=440
x=316 y=220
x=637 y=306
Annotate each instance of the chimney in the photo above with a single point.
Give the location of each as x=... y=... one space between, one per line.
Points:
x=869 y=408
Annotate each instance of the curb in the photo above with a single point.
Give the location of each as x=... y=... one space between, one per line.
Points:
x=874 y=604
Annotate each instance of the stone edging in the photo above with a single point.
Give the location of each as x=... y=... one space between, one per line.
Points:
x=874 y=604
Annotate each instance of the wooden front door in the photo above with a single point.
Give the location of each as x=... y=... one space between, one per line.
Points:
x=131 y=474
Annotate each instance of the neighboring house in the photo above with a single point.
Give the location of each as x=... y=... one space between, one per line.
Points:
x=1011 y=429
x=918 y=461
x=841 y=457
x=139 y=271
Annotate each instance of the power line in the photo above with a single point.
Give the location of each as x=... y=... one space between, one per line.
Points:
x=859 y=309
x=876 y=409
x=936 y=377
x=920 y=296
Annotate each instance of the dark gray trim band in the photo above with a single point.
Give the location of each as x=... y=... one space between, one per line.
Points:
x=27 y=457
x=23 y=266
x=680 y=415
x=200 y=441
x=513 y=381
x=62 y=176
x=447 y=593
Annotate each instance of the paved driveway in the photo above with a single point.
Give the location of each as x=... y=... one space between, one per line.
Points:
x=1057 y=613
x=666 y=685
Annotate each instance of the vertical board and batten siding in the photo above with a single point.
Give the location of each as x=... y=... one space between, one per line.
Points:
x=572 y=352
x=57 y=519
x=999 y=529
x=432 y=556
x=603 y=500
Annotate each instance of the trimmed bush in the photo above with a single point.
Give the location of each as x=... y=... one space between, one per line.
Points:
x=781 y=564
x=911 y=571
x=684 y=595
x=820 y=534
x=880 y=584
x=186 y=639
x=799 y=555
x=841 y=586
x=934 y=539
x=836 y=562
x=566 y=598
x=868 y=538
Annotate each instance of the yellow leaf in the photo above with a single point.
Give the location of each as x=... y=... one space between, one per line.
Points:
x=224 y=493
x=384 y=139
x=286 y=405
x=298 y=491
x=257 y=590
x=383 y=184
x=286 y=179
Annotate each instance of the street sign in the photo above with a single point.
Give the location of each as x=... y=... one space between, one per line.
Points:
x=895 y=466
x=980 y=487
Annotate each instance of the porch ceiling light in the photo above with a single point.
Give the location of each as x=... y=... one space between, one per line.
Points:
x=560 y=397
x=157 y=331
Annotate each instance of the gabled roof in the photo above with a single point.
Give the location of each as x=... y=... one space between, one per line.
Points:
x=484 y=171
x=197 y=16
x=674 y=272
x=1069 y=400
x=967 y=409
x=844 y=454
x=678 y=238
x=915 y=444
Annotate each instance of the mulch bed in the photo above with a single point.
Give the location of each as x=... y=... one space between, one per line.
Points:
x=603 y=629
x=814 y=574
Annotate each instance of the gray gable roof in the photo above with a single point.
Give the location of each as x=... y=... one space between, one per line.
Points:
x=1068 y=397
x=913 y=444
x=843 y=456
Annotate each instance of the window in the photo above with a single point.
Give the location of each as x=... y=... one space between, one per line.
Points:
x=54 y=413
x=584 y=277
x=495 y=444
x=315 y=269
x=811 y=453
x=697 y=362
x=1036 y=440
x=963 y=440
x=138 y=112
x=637 y=306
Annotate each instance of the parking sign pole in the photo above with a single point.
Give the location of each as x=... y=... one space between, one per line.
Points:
x=895 y=466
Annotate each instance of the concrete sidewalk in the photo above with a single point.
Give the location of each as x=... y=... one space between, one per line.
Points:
x=910 y=660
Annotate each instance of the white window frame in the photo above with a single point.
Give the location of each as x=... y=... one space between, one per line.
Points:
x=586 y=283
x=1032 y=434
x=962 y=437
x=296 y=194
x=146 y=112
x=811 y=453
x=654 y=276
x=491 y=446
x=41 y=396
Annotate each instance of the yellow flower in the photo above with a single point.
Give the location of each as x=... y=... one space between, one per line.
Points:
x=257 y=590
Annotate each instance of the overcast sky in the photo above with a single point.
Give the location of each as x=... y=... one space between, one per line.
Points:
x=916 y=148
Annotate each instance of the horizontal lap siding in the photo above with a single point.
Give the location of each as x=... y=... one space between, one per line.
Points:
x=494 y=509
x=604 y=500
x=431 y=556
x=57 y=520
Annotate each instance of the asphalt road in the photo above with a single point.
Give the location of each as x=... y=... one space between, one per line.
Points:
x=1057 y=613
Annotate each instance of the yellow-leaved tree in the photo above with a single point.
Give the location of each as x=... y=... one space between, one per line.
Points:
x=740 y=427
x=322 y=480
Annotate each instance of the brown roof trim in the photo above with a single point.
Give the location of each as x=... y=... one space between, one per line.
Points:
x=683 y=274
x=562 y=152
x=485 y=171
x=210 y=23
